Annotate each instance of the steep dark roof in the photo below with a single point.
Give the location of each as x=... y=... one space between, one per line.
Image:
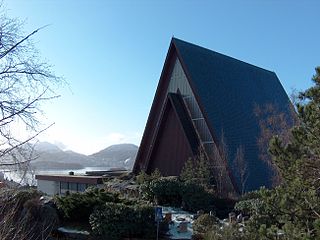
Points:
x=227 y=91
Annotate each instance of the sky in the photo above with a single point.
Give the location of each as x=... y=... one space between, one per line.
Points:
x=111 y=54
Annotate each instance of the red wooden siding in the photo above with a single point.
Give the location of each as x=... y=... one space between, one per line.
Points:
x=171 y=149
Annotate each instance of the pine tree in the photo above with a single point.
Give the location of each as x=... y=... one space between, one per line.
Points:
x=301 y=157
x=197 y=170
x=187 y=172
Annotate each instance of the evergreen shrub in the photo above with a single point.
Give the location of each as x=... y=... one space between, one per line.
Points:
x=118 y=221
x=167 y=191
x=78 y=206
x=189 y=195
x=195 y=197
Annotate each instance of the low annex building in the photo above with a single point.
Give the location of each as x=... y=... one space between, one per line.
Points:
x=61 y=184
x=204 y=97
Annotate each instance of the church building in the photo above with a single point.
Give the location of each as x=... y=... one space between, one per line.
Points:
x=205 y=99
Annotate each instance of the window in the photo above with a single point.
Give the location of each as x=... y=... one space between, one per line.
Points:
x=73 y=186
x=82 y=187
x=64 y=185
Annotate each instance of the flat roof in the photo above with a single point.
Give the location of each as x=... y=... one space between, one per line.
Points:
x=72 y=178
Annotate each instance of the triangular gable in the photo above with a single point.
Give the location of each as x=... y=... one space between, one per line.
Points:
x=175 y=141
x=174 y=80
x=220 y=93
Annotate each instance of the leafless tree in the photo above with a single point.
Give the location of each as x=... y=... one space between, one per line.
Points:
x=23 y=216
x=219 y=157
x=273 y=122
x=25 y=82
x=241 y=166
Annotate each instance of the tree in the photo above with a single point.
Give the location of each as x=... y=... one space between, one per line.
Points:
x=25 y=82
x=241 y=166
x=197 y=170
x=272 y=121
x=300 y=158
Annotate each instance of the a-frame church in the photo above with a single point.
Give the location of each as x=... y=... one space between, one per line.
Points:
x=203 y=97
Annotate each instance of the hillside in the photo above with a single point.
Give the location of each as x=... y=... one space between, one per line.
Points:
x=120 y=155
x=50 y=156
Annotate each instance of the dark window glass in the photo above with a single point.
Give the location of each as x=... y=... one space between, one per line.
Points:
x=64 y=185
x=81 y=187
x=73 y=186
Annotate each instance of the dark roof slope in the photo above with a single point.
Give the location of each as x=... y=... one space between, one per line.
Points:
x=227 y=90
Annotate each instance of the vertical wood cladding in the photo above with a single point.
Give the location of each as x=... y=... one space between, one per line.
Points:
x=171 y=149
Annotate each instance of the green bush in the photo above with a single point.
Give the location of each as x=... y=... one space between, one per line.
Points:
x=79 y=206
x=195 y=197
x=198 y=170
x=117 y=220
x=167 y=191
x=208 y=227
x=144 y=180
x=191 y=196
x=204 y=223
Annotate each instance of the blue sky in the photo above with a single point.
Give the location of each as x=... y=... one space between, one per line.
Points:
x=111 y=53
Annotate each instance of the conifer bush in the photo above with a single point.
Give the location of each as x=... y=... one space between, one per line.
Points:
x=167 y=191
x=78 y=206
x=195 y=197
x=117 y=221
x=190 y=196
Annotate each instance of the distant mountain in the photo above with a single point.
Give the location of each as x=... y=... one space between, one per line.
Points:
x=46 y=147
x=120 y=155
x=49 y=156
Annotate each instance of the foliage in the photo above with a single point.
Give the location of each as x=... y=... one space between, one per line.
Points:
x=144 y=180
x=198 y=169
x=188 y=195
x=207 y=227
x=230 y=232
x=117 y=221
x=195 y=197
x=188 y=171
x=204 y=223
x=167 y=191
x=79 y=206
x=143 y=177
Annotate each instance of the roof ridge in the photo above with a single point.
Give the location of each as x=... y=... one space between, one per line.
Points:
x=207 y=49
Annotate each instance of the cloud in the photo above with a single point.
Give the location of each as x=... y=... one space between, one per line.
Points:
x=60 y=145
x=117 y=138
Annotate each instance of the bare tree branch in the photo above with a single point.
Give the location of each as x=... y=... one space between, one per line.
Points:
x=25 y=82
x=20 y=42
x=21 y=144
